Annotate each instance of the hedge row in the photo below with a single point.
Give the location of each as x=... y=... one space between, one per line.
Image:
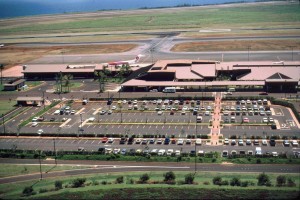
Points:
x=155 y=98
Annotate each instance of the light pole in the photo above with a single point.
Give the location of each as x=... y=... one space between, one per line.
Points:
x=292 y=47
x=248 y=47
x=44 y=99
x=40 y=165
x=81 y=129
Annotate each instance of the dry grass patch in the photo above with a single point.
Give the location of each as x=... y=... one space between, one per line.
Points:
x=237 y=45
x=13 y=55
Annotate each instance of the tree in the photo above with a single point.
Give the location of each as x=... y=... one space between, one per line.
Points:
x=217 y=180
x=169 y=176
x=120 y=179
x=58 y=185
x=125 y=69
x=67 y=79
x=263 y=179
x=235 y=181
x=281 y=180
x=27 y=191
x=101 y=76
x=1 y=68
x=189 y=178
x=78 y=182
x=144 y=178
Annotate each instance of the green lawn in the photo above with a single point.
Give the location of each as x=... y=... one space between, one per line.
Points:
x=7 y=170
x=94 y=187
x=6 y=106
x=227 y=17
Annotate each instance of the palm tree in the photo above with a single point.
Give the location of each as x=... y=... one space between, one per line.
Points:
x=101 y=76
x=59 y=80
x=125 y=69
x=67 y=79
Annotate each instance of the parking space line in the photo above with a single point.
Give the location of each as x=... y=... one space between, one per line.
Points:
x=93 y=141
x=86 y=141
x=99 y=142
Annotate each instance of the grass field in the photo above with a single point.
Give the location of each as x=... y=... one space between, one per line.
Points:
x=255 y=16
x=95 y=189
x=237 y=45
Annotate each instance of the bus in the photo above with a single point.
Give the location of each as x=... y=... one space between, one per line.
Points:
x=169 y=90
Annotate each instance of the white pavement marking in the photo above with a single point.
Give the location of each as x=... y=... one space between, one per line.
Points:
x=79 y=111
x=68 y=120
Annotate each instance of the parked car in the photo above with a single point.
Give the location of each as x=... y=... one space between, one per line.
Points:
x=226 y=141
x=180 y=141
x=272 y=142
x=248 y=142
x=233 y=142
x=264 y=142
x=286 y=143
x=295 y=143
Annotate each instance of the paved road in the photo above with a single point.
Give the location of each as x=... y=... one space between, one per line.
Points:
x=120 y=166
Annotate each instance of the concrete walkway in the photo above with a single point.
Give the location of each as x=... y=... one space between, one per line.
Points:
x=216 y=121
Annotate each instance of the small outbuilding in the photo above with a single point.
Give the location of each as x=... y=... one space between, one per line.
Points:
x=14 y=85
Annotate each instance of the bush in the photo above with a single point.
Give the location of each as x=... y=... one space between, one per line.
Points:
x=130 y=181
x=58 y=185
x=206 y=183
x=258 y=161
x=27 y=191
x=78 y=182
x=104 y=182
x=225 y=182
x=291 y=182
x=244 y=184
x=263 y=179
x=43 y=190
x=281 y=181
x=235 y=181
x=120 y=179
x=217 y=180
x=169 y=176
x=95 y=182
x=144 y=178
x=189 y=178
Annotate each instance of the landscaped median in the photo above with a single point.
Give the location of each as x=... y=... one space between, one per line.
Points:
x=158 y=185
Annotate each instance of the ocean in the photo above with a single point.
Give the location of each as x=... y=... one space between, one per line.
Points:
x=18 y=8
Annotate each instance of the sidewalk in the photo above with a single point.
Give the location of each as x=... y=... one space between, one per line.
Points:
x=216 y=121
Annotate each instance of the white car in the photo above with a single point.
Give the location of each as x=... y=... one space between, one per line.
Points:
x=161 y=152
x=34 y=119
x=124 y=101
x=40 y=131
x=240 y=142
x=295 y=143
x=264 y=142
x=130 y=107
x=91 y=119
x=34 y=124
x=113 y=107
x=207 y=113
x=159 y=112
x=226 y=141
x=185 y=108
x=116 y=151
x=177 y=153
x=169 y=152
x=180 y=142
x=265 y=120
x=109 y=112
x=154 y=151
x=198 y=142
x=110 y=140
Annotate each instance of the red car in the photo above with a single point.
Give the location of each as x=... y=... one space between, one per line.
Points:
x=263 y=93
x=104 y=140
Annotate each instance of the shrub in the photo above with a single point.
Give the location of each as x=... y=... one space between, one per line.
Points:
x=291 y=182
x=189 y=178
x=206 y=183
x=27 y=191
x=244 y=184
x=217 y=180
x=120 y=179
x=258 y=161
x=281 y=180
x=58 y=185
x=130 y=181
x=169 y=176
x=144 y=178
x=43 y=190
x=263 y=179
x=104 y=182
x=95 y=182
x=235 y=181
x=78 y=182
x=225 y=182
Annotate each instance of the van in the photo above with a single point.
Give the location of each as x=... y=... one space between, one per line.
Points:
x=169 y=90
x=231 y=89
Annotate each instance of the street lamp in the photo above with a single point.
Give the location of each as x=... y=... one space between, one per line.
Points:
x=54 y=152
x=196 y=146
x=81 y=129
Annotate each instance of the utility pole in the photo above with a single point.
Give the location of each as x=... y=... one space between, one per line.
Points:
x=1 y=68
x=44 y=99
x=54 y=152
x=3 y=122
x=40 y=165
x=196 y=147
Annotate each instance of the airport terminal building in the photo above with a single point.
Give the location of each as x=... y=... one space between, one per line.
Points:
x=199 y=75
